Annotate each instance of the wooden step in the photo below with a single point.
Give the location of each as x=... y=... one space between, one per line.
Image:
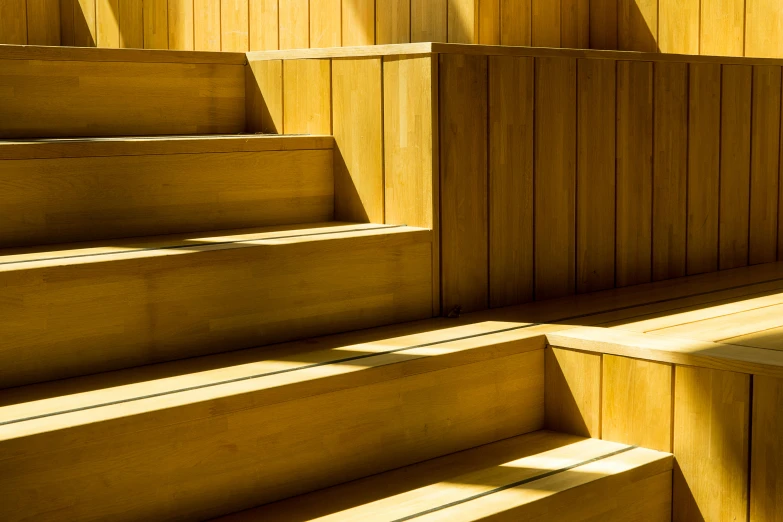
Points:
x=542 y=476
x=209 y=436
x=66 y=190
x=89 y=307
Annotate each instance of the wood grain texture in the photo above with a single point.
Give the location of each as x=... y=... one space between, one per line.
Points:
x=735 y=166
x=766 y=481
x=765 y=164
x=84 y=31
x=670 y=170
x=511 y=101
x=546 y=18
x=634 y=172
x=678 y=26
x=264 y=17
x=603 y=24
x=703 y=167
x=575 y=24
x=43 y=22
x=489 y=22
x=595 y=215
x=637 y=22
x=516 y=22
x=132 y=24
x=206 y=25
x=358 y=136
x=67 y=22
x=156 y=25
x=264 y=96
x=573 y=392
x=429 y=20
x=555 y=177
x=234 y=25
x=358 y=19
x=107 y=26
x=636 y=402
x=181 y=17
x=711 y=437
x=392 y=21
x=13 y=22
x=325 y=23
x=464 y=138
x=463 y=21
x=763 y=28
x=722 y=30
x=307 y=96
x=120 y=99
x=294 y=30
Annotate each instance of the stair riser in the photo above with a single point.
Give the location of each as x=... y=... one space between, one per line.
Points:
x=223 y=455
x=44 y=201
x=62 y=321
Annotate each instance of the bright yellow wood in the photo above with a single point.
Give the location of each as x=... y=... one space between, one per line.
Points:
x=766 y=495
x=234 y=25
x=156 y=27
x=294 y=24
x=358 y=22
x=722 y=30
x=307 y=97
x=678 y=30
x=637 y=22
x=131 y=24
x=393 y=21
x=763 y=28
x=264 y=25
x=206 y=25
x=107 y=25
x=573 y=392
x=463 y=21
x=84 y=24
x=325 y=23
x=181 y=18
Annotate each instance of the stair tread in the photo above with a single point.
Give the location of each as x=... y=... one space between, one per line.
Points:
x=471 y=484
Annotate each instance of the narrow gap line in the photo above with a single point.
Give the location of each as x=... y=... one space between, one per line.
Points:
x=267 y=374
x=753 y=118
x=720 y=167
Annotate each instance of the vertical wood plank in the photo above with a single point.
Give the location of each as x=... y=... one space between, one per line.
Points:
x=392 y=21
x=634 y=172
x=510 y=180
x=765 y=164
x=358 y=138
x=13 y=22
x=678 y=29
x=766 y=480
x=572 y=396
x=307 y=96
x=603 y=24
x=264 y=25
x=325 y=23
x=429 y=20
x=43 y=22
x=515 y=22
x=711 y=437
x=181 y=25
x=670 y=170
x=489 y=22
x=131 y=24
x=638 y=25
x=206 y=25
x=463 y=21
x=703 y=167
x=294 y=24
x=84 y=23
x=546 y=23
x=637 y=402
x=764 y=28
x=722 y=31
x=264 y=95
x=555 y=177
x=156 y=27
x=66 y=22
x=735 y=166
x=575 y=24
x=463 y=135
x=358 y=21
x=595 y=221
x=107 y=27
x=234 y=25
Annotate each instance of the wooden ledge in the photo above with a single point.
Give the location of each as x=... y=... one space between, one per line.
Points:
x=95 y=54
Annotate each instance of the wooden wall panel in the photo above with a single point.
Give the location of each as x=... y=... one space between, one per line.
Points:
x=392 y=21
x=516 y=22
x=573 y=392
x=546 y=23
x=264 y=25
x=555 y=177
x=325 y=23
x=510 y=180
x=84 y=23
x=722 y=27
x=264 y=96
x=463 y=21
x=132 y=24
x=637 y=22
x=678 y=26
x=429 y=20
x=13 y=22
x=603 y=24
x=66 y=21
x=463 y=139
x=307 y=97
x=358 y=137
x=489 y=21
x=735 y=165
x=156 y=26
x=181 y=34
x=637 y=402
x=206 y=25
x=634 y=172
x=670 y=170
x=294 y=30
x=43 y=22
x=766 y=463
x=711 y=438
x=765 y=164
x=234 y=25
x=764 y=28
x=107 y=27
x=575 y=24
x=595 y=215
x=703 y=167
x=358 y=19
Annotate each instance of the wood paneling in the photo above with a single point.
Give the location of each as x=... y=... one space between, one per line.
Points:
x=13 y=22
x=234 y=25
x=358 y=136
x=156 y=25
x=595 y=218
x=670 y=170
x=489 y=22
x=429 y=20
x=294 y=27
x=107 y=27
x=603 y=24
x=636 y=402
x=325 y=23
x=703 y=167
x=264 y=96
x=307 y=97
x=516 y=22
x=181 y=17
x=84 y=23
x=634 y=172
x=358 y=19
x=463 y=155
x=555 y=177
x=764 y=28
x=264 y=25
x=766 y=480
x=546 y=17
x=765 y=164
x=735 y=165
x=678 y=28
x=43 y=22
x=711 y=437
x=722 y=27
x=66 y=21
x=510 y=180
x=575 y=24
x=637 y=23
x=132 y=26
x=206 y=25
x=573 y=392
x=392 y=21
x=463 y=21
